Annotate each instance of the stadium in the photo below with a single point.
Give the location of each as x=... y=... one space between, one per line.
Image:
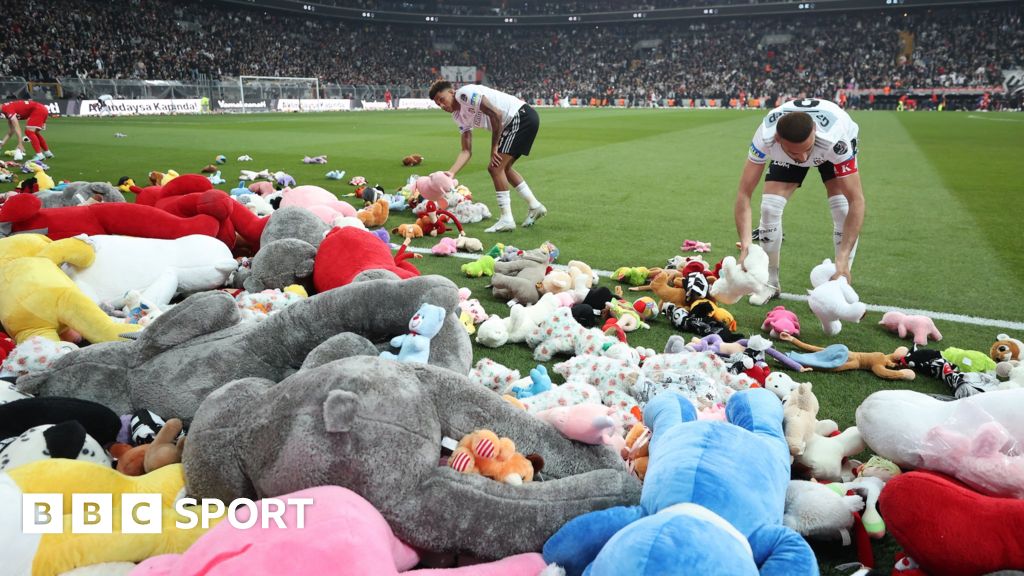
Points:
x=280 y=296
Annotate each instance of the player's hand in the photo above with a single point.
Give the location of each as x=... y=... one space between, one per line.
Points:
x=495 y=158
x=743 y=255
x=843 y=272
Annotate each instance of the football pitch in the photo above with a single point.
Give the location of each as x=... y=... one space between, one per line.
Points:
x=625 y=187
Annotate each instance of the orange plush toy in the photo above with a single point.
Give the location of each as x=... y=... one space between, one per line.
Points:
x=637 y=450
x=482 y=452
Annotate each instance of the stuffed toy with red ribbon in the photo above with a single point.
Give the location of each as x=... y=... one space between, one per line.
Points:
x=345 y=252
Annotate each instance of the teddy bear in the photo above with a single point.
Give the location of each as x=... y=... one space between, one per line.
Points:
x=493 y=376
x=781 y=384
x=833 y=301
x=736 y=281
x=376 y=214
x=354 y=411
x=412 y=160
x=107 y=551
x=825 y=450
x=482 y=452
x=351 y=536
x=157 y=268
x=24 y=213
x=199 y=345
x=346 y=252
x=561 y=334
x=729 y=530
x=800 y=411
x=948 y=528
x=901 y=425
x=665 y=286
x=780 y=320
x=80 y=193
x=1006 y=349
x=493 y=332
x=415 y=346
x=39 y=299
x=636 y=451
x=472 y=306
x=919 y=327
x=518 y=280
x=35 y=354
x=467 y=244
x=588 y=423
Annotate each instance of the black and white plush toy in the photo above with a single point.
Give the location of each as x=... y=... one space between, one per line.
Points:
x=65 y=440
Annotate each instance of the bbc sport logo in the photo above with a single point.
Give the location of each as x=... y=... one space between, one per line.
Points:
x=143 y=513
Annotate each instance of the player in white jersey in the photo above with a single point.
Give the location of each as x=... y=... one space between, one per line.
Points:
x=513 y=125
x=793 y=138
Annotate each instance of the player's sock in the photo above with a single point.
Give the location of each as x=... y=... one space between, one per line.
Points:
x=524 y=191
x=770 y=227
x=505 y=204
x=34 y=139
x=42 y=142
x=840 y=207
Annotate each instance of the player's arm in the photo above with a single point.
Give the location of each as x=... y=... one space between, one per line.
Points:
x=12 y=126
x=748 y=183
x=496 y=126
x=464 y=155
x=850 y=187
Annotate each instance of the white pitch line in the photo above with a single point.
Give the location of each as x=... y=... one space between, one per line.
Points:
x=948 y=317
x=995 y=119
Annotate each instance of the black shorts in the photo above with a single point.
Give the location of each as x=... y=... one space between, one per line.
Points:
x=779 y=172
x=517 y=137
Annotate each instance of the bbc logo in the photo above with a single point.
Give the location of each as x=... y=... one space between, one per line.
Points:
x=91 y=513
x=142 y=513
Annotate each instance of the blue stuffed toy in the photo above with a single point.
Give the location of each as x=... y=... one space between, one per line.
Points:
x=415 y=346
x=712 y=500
x=540 y=382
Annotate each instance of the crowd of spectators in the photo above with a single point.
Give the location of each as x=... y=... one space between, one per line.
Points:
x=528 y=7
x=714 y=58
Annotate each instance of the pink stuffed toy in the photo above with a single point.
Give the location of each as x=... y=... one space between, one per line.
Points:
x=471 y=306
x=263 y=188
x=695 y=246
x=342 y=534
x=587 y=423
x=986 y=460
x=780 y=320
x=446 y=247
x=435 y=186
x=921 y=327
x=325 y=205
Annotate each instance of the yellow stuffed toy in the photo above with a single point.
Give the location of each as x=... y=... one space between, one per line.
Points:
x=38 y=299
x=52 y=554
x=43 y=179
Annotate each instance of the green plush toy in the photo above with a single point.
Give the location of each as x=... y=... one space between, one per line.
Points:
x=484 y=266
x=636 y=276
x=496 y=250
x=969 y=360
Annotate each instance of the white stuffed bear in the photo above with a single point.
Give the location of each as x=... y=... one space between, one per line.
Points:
x=816 y=511
x=824 y=452
x=781 y=384
x=735 y=282
x=493 y=332
x=158 y=269
x=833 y=300
x=256 y=204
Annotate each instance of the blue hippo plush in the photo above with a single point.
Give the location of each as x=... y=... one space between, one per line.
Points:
x=415 y=346
x=712 y=500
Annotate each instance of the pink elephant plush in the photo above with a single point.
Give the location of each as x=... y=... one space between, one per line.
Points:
x=921 y=327
x=587 y=423
x=325 y=205
x=342 y=534
x=434 y=186
x=780 y=320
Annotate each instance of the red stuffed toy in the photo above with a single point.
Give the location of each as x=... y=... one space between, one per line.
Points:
x=184 y=194
x=345 y=252
x=24 y=213
x=951 y=530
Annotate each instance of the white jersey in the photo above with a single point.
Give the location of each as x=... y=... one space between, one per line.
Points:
x=835 y=135
x=469 y=115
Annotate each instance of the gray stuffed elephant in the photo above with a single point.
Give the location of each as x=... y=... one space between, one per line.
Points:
x=79 y=193
x=199 y=345
x=375 y=426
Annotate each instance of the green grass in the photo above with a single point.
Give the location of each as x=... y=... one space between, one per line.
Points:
x=626 y=187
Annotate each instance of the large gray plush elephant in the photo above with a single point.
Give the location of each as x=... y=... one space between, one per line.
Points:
x=199 y=345
x=375 y=426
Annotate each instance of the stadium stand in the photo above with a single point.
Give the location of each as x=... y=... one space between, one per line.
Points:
x=762 y=57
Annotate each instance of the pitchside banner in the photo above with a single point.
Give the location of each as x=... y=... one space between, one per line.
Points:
x=313 y=105
x=229 y=106
x=138 y=107
x=459 y=74
x=1013 y=81
x=417 y=104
